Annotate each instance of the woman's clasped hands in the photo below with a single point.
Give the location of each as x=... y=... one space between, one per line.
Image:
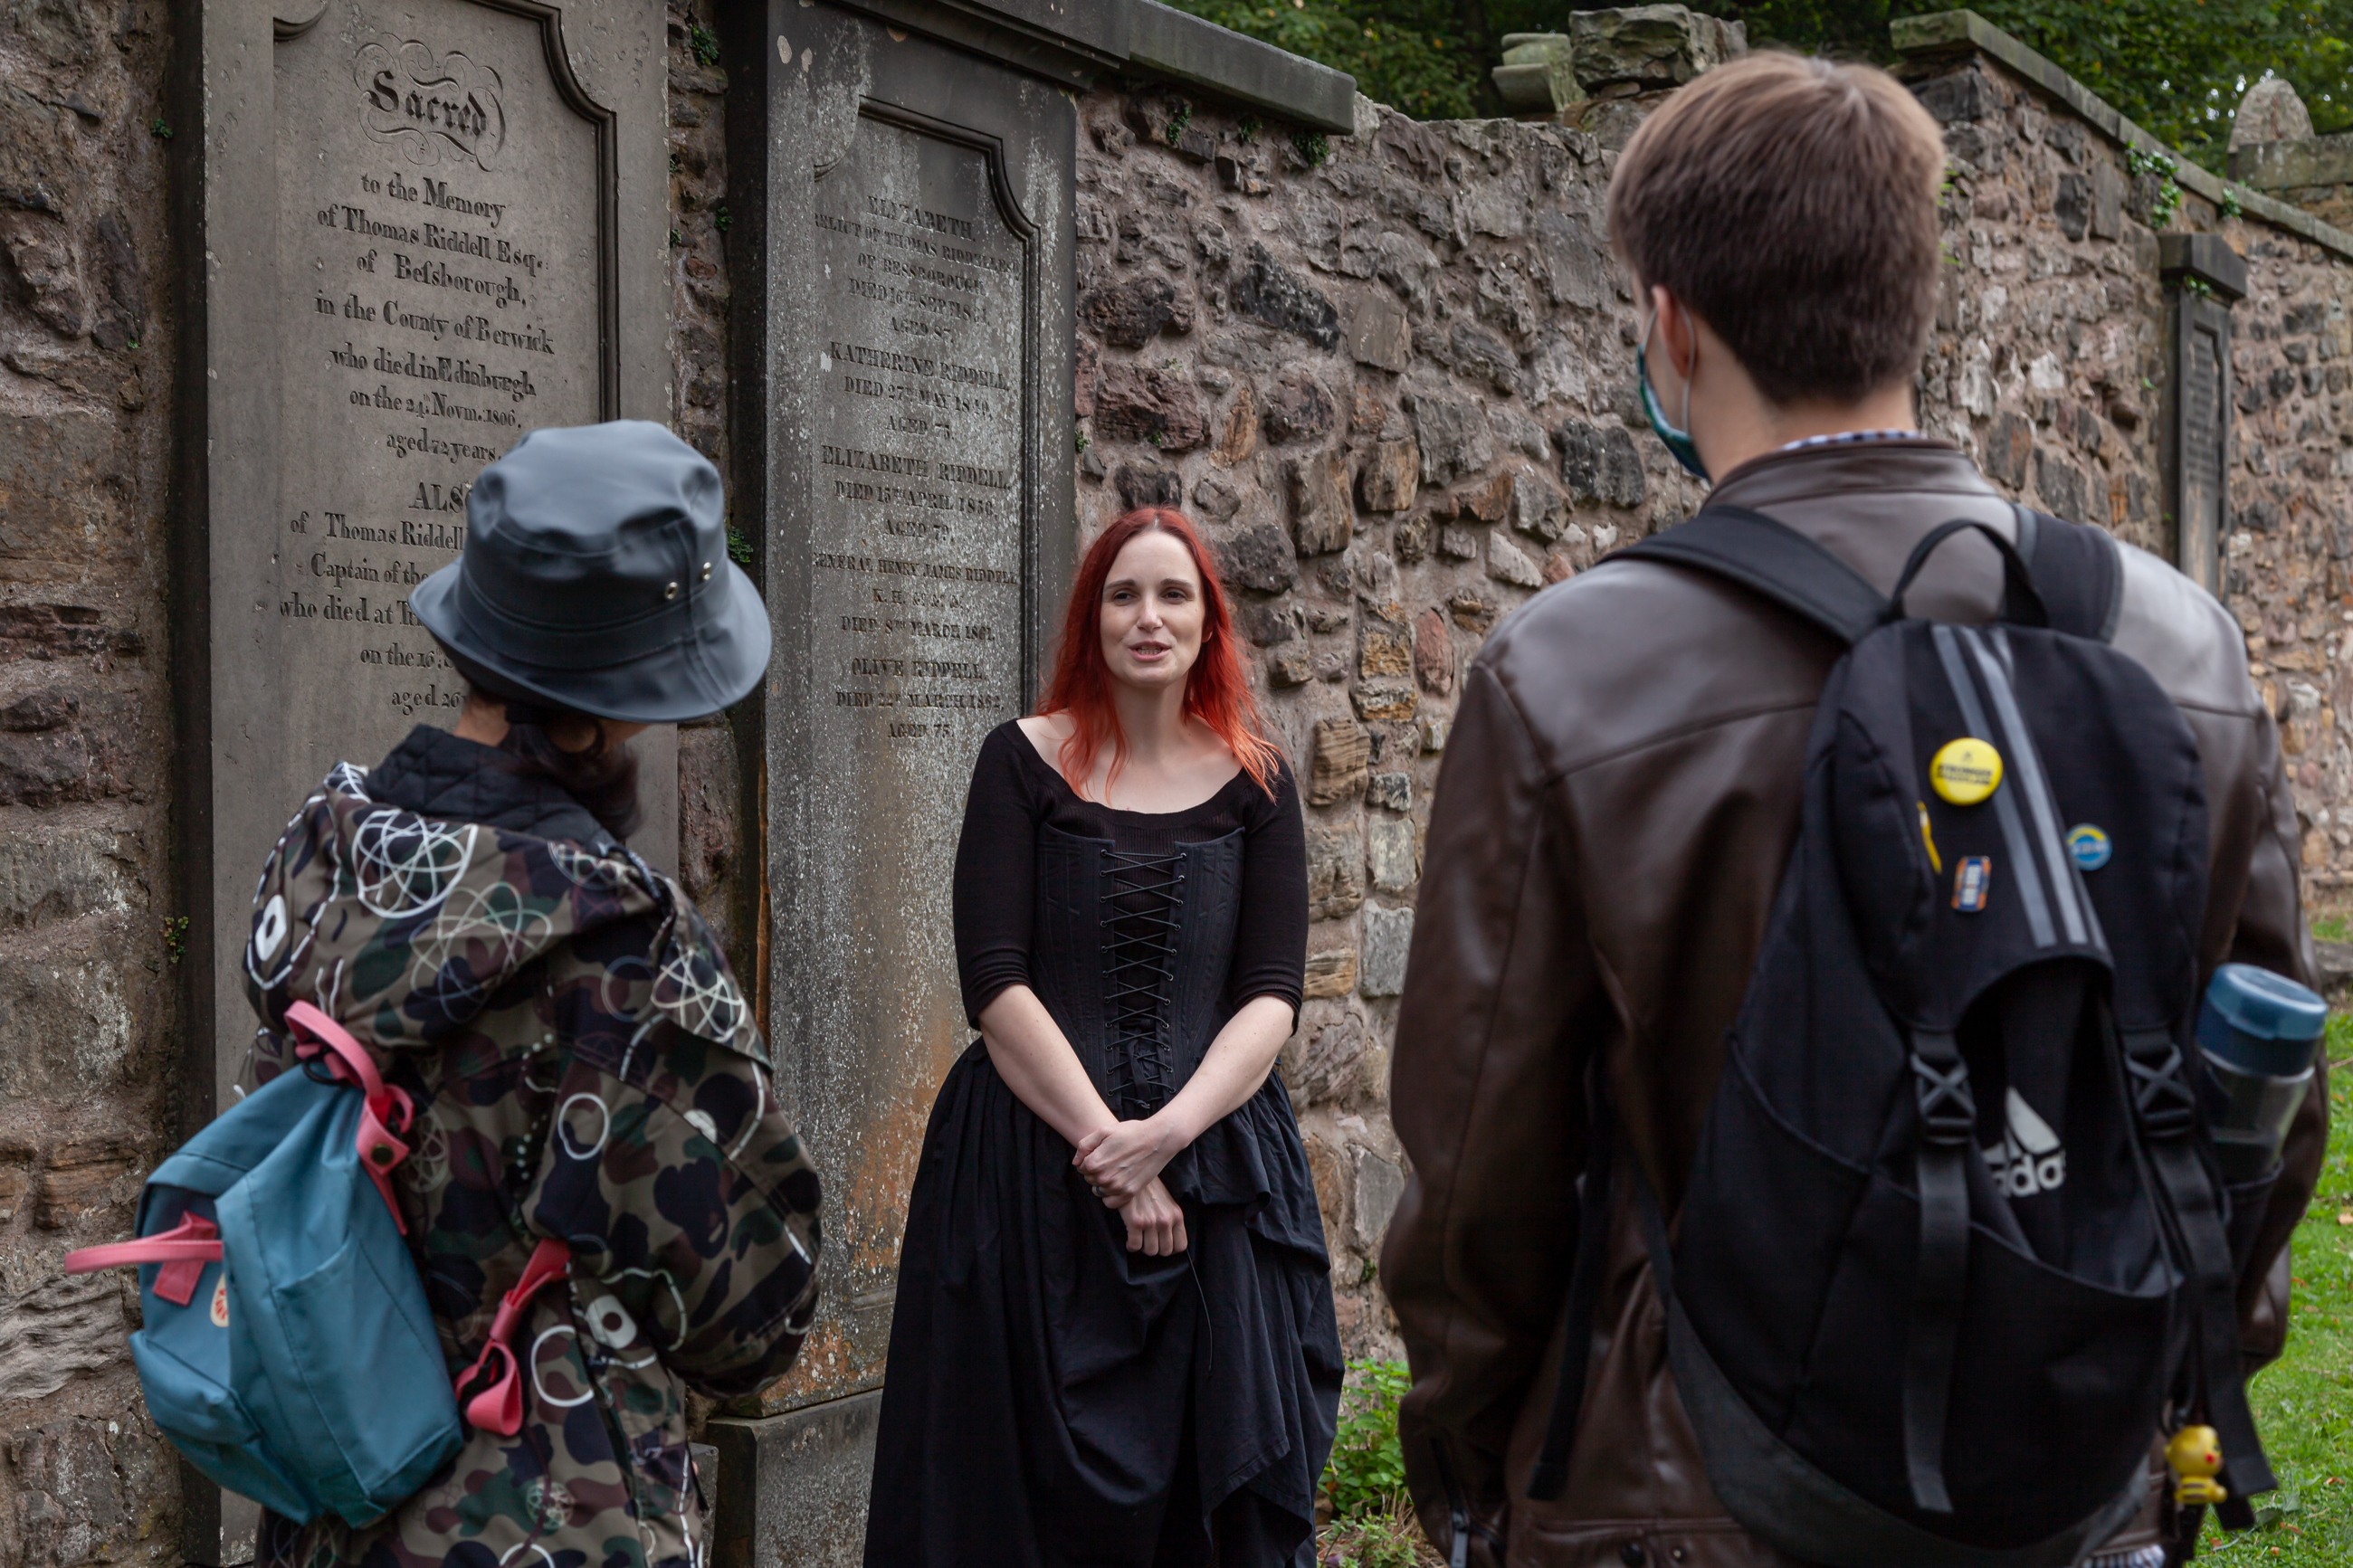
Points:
x=1122 y=1165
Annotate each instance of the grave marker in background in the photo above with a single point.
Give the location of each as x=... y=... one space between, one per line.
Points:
x=2202 y=276
x=426 y=228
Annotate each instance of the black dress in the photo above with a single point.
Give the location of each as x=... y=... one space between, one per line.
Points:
x=1053 y=1399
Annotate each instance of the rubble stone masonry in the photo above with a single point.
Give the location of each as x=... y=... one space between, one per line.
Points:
x=90 y=1021
x=1390 y=374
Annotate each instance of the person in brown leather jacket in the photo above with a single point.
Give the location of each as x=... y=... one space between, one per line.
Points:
x=1621 y=790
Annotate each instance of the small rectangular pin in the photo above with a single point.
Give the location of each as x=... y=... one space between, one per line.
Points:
x=1972 y=881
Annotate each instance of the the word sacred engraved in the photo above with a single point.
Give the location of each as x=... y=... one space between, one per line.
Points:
x=918 y=535
x=440 y=299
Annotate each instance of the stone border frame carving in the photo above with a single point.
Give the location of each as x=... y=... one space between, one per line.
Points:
x=790 y=144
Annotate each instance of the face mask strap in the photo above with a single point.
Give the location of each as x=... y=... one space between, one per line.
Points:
x=1677 y=441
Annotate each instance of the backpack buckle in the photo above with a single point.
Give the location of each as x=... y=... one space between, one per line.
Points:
x=1940 y=1083
x=2168 y=1106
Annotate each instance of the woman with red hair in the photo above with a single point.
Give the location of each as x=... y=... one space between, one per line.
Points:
x=1114 y=1342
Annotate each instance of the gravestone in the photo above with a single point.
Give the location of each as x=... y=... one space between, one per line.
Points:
x=909 y=301
x=422 y=229
x=2202 y=276
x=918 y=308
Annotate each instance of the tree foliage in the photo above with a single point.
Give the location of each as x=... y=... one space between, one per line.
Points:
x=2177 y=67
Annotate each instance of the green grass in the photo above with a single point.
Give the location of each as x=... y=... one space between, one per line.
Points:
x=2304 y=1402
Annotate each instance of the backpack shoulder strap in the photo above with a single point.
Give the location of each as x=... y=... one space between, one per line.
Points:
x=1774 y=560
x=2078 y=573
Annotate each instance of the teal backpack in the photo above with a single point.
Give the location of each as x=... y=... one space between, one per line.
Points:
x=287 y=1349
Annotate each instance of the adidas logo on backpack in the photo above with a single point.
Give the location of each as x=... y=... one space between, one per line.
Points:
x=1893 y=1346
x=2030 y=1159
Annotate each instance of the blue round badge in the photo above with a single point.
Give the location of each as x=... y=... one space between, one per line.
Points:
x=2089 y=846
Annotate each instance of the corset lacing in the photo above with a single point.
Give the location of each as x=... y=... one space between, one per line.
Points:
x=1142 y=897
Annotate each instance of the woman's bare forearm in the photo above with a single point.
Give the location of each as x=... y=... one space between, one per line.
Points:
x=1037 y=1063
x=1234 y=1069
x=1121 y=1160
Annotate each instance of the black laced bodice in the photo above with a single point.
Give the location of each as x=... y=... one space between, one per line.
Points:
x=1142 y=933
x=1144 y=901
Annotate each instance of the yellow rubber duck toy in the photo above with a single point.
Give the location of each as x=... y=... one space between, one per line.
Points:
x=2196 y=1455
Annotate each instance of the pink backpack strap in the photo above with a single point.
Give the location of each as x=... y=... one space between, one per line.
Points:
x=183 y=1250
x=388 y=1109
x=496 y=1376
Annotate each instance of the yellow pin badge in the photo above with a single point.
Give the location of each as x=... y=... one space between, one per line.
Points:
x=1966 y=770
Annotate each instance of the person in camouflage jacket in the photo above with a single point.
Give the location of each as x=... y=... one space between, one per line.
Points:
x=583 y=1065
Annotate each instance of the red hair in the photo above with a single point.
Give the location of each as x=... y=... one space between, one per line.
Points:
x=1215 y=692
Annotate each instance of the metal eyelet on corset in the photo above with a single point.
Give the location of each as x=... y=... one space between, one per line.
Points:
x=669 y=591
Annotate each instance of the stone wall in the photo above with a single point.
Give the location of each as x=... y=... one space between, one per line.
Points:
x=1395 y=385
x=710 y=803
x=89 y=1020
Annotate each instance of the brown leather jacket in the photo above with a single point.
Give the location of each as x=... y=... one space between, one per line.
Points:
x=1616 y=804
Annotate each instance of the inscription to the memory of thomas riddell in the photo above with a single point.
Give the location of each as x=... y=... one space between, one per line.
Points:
x=439 y=252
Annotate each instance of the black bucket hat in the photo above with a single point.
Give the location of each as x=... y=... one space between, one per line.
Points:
x=596 y=578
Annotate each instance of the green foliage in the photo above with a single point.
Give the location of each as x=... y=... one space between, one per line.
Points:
x=175 y=937
x=1178 y=119
x=2178 y=67
x=1246 y=130
x=2175 y=67
x=2166 y=199
x=157 y=128
x=1312 y=147
x=1389 y=1539
x=2339 y=1039
x=739 y=548
x=1368 y=1467
x=1413 y=55
x=705 y=45
x=2304 y=1402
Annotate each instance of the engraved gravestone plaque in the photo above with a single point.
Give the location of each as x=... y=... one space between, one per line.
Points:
x=411 y=232
x=918 y=520
x=426 y=232
x=2204 y=275
x=445 y=265
x=2203 y=420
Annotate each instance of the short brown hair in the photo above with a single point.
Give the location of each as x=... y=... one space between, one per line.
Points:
x=1791 y=204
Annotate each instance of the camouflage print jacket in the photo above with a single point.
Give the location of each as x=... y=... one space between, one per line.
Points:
x=584 y=1067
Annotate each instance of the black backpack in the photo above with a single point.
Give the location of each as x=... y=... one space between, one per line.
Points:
x=1954 y=1249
